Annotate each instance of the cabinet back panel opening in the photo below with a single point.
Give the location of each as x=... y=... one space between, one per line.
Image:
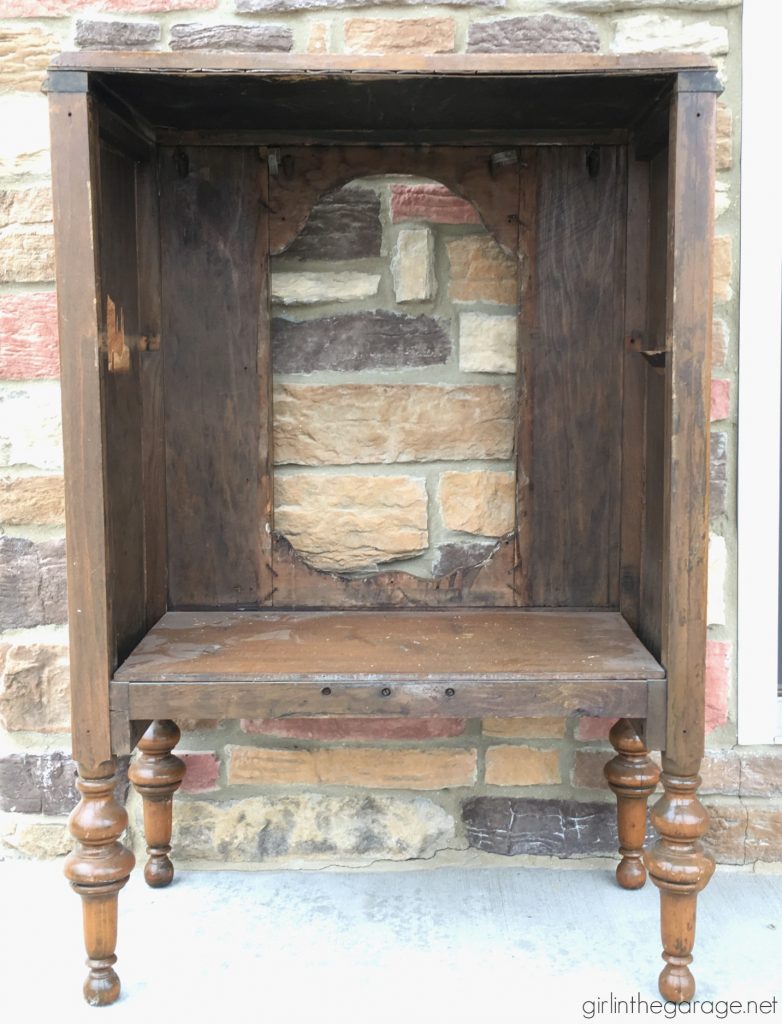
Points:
x=551 y=232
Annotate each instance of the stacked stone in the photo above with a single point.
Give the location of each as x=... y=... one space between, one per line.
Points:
x=394 y=354
x=357 y=791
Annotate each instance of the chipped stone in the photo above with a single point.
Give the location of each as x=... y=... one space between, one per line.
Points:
x=546 y=33
x=481 y=502
x=317 y=425
x=358 y=341
x=312 y=827
x=346 y=522
x=34 y=688
x=342 y=225
x=305 y=288
x=412 y=265
x=481 y=271
x=487 y=344
x=251 y=38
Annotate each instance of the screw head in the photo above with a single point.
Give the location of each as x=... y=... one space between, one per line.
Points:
x=326 y=691
x=385 y=692
x=450 y=692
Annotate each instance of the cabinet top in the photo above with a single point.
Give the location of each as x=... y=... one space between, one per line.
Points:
x=197 y=62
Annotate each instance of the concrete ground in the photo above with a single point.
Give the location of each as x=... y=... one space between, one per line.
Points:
x=418 y=947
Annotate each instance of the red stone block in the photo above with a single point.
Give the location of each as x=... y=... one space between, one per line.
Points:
x=203 y=770
x=42 y=8
x=28 y=336
x=65 y=8
x=720 y=400
x=355 y=728
x=593 y=728
x=434 y=203
x=162 y=6
x=717 y=682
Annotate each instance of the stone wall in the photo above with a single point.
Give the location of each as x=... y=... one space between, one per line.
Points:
x=396 y=305
x=355 y=791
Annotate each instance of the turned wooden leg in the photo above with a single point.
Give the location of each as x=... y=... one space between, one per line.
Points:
x=97 y=869
x=633 y=777
x=157 y=774
x=680 y=867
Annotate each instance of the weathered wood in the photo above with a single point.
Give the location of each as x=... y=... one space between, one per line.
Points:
x=156 y=775
x=197 y=62
x=319 y=169
x=299 y=585
x=153 y=457
x=688 y=369
x=97 y=869
x=577 y=368
x=525 y=697
x=463 y=644
x=633 y=777
x=213 y=271
x=74 y=180
x=525 y=372
x=118 y=314
x=392 y=137
x=633 y=390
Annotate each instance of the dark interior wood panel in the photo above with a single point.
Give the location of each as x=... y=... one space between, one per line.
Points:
x=464 y=644
x=389 y=103
x=577 y=377
x=214 y=281
x=121 y=370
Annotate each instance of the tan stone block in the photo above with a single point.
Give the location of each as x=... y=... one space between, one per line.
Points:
x=761 y=772
x=481 y=502
x=27 y=254
x=412 y=266
x=719 y=343
x=24 y=140
x=39 y=840
x=433 y=768
x=317 y=41
x=306 y=288
x=311 y=827
x=487 y=344
x=346 y=522
x=723 y=268
x=764 y=834
x=481 y=271
x=727 y=834
x=410 y=35
x=724 y=137
x=648 y=33
x=32 y=499
x=24 y=56
x=524 y=728
x=25 y=206
x=317 y=425
x=522 y=766
x=34 y=688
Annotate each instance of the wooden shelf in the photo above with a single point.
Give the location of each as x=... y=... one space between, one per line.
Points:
x=466 y=662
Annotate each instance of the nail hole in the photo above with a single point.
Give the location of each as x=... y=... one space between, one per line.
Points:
x=385 y=692
x=326 y=691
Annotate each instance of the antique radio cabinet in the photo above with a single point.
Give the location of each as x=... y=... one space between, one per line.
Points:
x=175 y=178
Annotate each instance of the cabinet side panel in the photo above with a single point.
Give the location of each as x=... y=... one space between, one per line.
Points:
x=152 y=397
x=689 y=317
x=118 y=316
x=74 y=172
x=577 y=368
x=213 y=281
x=650 y=608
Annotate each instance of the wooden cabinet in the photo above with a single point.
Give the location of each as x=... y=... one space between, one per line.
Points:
x=175 y=177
